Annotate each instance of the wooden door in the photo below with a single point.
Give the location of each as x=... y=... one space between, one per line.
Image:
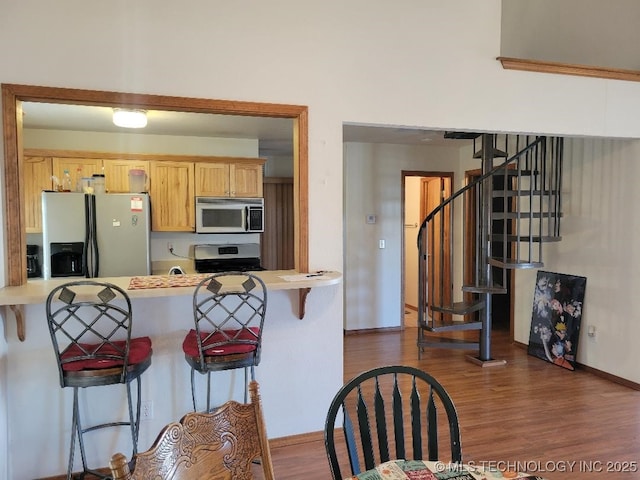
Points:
x=172 y=199
x=37 y=177
x=439 y=289
x=277 y=239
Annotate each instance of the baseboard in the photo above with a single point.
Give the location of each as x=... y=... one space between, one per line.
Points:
x=299 y=439
x=595 y=371
x=274 y=443
x=364 y=331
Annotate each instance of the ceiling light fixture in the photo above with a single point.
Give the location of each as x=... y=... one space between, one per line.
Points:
x=126 y=118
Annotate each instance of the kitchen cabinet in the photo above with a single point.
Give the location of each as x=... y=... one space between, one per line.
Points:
x=172 y=196
x=229 y=179
x=173 y=181
x=37 y=177
x=116 y=173
x=77 y=167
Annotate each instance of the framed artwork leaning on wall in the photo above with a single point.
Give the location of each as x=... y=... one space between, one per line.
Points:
x=555 y=322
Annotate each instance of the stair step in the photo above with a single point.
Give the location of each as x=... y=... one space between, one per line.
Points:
x=514 y=264
x=525 y=215
x=524 y=193
x=458 y=308
x=495 y=289
x=452 y=343
x=513 y=172
x=451 y=326
x=495 y=153
x=498 y=237
x=461 y=135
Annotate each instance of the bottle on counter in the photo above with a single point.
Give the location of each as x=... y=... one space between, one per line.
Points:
x=79 y=180
x=66 y=181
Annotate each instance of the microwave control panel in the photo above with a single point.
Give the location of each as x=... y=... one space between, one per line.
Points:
x=255 y=220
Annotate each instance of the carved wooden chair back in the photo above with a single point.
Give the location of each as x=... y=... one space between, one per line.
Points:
x=221 y=445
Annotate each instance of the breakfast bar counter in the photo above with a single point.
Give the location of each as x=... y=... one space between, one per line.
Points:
x=38 y=412
x=153 y=286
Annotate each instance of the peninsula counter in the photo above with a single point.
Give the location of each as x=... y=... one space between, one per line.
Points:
x=300 y=369
x=36 y=291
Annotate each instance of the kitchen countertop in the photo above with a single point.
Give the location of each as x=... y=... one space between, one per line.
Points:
x=35 y=291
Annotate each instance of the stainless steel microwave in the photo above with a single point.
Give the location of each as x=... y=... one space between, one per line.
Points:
x=229 y=215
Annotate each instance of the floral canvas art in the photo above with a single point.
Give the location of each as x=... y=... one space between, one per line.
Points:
x=557 y=314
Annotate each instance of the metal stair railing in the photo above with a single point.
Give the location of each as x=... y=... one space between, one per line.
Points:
x=530 y=214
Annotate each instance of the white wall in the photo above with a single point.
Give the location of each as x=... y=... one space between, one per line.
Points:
x=600 y=231
x=358 y=62
x=572 y=31
x=373 y=185
x=139 y=143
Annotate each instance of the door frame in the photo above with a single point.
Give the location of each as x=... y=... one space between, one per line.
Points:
x=448 y=175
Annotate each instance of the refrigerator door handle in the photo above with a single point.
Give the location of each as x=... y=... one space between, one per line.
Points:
x=94 y=240
x=87 y=238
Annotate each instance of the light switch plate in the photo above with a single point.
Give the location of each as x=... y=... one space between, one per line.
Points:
x=371 y=218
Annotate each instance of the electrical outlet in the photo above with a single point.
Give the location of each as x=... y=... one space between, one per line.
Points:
x=146 y=410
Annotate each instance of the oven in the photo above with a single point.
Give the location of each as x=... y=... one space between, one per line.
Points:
x=214 y=258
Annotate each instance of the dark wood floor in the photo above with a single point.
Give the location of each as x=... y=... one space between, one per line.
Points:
x=527 y=411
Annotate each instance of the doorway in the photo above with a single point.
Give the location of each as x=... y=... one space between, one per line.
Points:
x=421 y=193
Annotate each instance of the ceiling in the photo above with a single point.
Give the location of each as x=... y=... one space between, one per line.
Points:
x=275 y=135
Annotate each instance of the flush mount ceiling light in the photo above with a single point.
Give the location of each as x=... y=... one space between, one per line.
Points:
x=127 y=118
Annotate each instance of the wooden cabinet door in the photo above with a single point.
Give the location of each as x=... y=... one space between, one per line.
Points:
x=172 y=196
x=77 y=167
x=116 y=173
x=246 y=180
x=37 y=177
x=212 y=179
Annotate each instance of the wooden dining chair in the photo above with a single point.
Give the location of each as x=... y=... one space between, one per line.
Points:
x=390 y=413
x=223 y=445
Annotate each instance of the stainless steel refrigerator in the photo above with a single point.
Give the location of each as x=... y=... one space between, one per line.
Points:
x=103 y=235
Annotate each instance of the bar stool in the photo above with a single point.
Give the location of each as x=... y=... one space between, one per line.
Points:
x=229 y=310
x=90 y=326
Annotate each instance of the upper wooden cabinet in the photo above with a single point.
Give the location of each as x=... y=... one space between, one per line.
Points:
x=229 y=178
x=37 y=177
x=172 y=196
x=116 y=173
x=77 y=167
x=246 y=179
x=174 y=181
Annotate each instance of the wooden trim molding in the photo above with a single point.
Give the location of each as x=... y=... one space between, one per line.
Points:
x=13 y=95
x=595 y=371
x=509 y=63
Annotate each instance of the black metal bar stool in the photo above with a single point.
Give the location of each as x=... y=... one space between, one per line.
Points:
x=229 y=310
x=90 y=325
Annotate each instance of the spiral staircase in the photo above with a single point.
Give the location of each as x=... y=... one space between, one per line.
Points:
x=506 y=214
